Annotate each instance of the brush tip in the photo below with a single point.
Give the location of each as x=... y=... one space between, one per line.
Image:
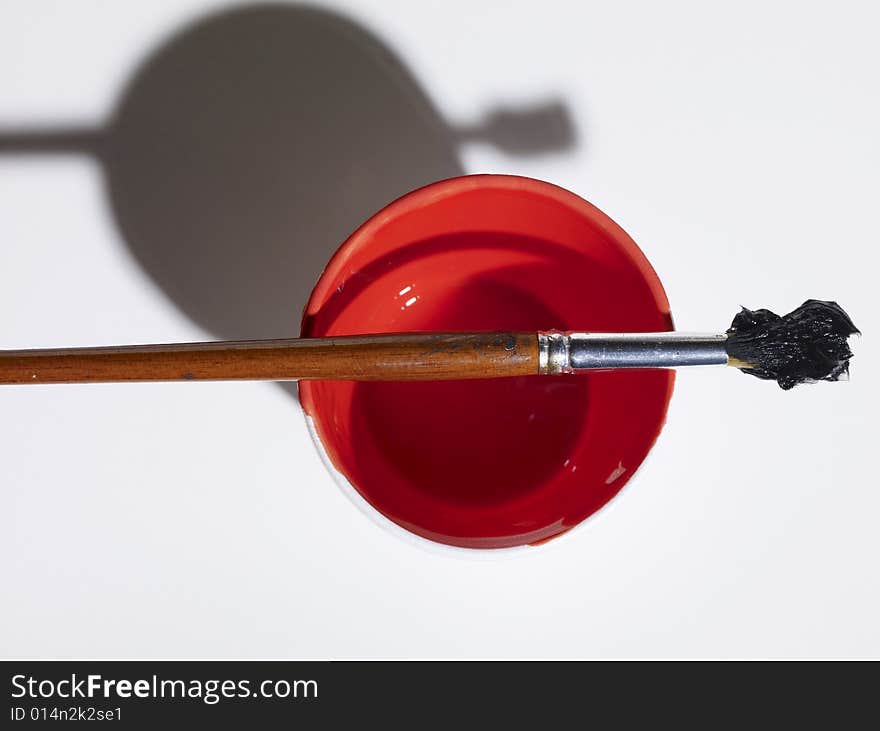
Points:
x=808 y=344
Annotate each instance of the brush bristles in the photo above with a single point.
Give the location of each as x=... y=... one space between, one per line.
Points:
x=808 y=344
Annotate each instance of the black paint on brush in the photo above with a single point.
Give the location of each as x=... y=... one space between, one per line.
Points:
x=808 y=344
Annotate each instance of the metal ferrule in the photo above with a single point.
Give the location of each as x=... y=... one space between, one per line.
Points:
x=561 y=352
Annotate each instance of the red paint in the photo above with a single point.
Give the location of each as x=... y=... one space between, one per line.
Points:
x=504 y=462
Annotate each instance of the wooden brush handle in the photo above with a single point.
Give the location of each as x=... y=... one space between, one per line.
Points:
x=396 y=357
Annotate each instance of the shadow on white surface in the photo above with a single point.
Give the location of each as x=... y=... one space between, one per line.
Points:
x=253 y=142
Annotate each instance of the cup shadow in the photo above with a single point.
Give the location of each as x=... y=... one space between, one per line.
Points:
x=252 y=143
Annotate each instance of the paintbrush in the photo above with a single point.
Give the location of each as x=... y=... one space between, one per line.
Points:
x=808 y=344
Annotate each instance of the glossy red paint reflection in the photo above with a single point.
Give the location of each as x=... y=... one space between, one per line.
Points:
x=494 y=463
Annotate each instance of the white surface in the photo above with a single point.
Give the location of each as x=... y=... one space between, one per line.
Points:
x=196 y=520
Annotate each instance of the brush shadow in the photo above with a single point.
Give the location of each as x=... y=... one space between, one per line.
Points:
x=253 y=142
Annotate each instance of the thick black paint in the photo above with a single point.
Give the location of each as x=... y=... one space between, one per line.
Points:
x=808 y=344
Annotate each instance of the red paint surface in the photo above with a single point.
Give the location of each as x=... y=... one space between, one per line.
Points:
x=503 y=462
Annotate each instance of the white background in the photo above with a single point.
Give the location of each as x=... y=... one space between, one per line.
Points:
x=738 y=145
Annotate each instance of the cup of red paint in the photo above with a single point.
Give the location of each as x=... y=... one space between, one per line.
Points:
x=495 y=463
